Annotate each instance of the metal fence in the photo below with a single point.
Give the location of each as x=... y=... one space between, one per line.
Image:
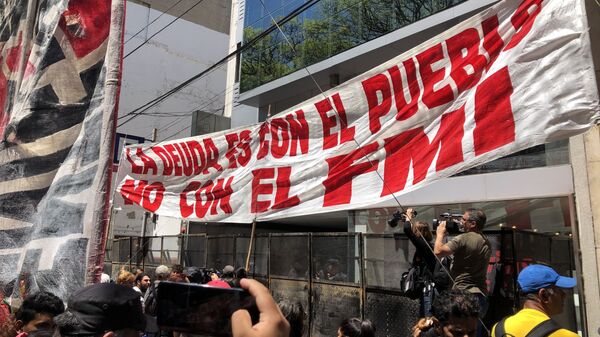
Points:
x=366 y=271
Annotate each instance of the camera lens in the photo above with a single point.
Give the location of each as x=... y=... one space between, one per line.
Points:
x=393 y=222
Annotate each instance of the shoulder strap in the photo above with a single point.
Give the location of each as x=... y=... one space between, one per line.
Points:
x=544 y=329
x=499 y=330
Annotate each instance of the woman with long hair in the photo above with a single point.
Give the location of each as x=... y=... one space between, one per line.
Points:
x=432 y=278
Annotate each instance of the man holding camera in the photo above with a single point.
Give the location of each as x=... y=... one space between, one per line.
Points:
x=471 y=251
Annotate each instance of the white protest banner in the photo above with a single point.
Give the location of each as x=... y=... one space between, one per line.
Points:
x=514 y=76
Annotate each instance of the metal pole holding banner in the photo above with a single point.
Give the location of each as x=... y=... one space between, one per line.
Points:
x=144 y=245
x=183 y=232
x=108 y=238
x=252 y=234
x=145 y=224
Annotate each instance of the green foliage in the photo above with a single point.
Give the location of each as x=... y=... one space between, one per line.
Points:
x=328 y=28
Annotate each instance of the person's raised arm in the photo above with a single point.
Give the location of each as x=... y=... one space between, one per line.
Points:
x=418 y=242
x=408 y=225
x=439 y=248
x=271 y=323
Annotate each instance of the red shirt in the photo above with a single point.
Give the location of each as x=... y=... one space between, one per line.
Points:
x=4 y=312
x=218 y=284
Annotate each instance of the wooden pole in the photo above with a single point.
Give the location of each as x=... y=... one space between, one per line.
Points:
x=252 y=234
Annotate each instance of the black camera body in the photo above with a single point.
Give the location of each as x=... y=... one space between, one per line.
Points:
x=453 y=224
x=397 y=216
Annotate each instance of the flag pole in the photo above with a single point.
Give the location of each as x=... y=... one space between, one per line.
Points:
x=252 y=234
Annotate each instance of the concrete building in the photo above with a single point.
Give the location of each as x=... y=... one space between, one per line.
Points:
x=336 y=40
x=154 y=64
x=166 y=43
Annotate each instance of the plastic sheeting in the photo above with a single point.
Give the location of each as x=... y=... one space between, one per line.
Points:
x=59 y=81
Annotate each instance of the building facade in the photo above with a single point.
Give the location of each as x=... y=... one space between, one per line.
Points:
x=161 y=51
x=165 y=44
x=545 y=189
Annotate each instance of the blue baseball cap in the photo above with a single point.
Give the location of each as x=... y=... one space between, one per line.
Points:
x=538 y=276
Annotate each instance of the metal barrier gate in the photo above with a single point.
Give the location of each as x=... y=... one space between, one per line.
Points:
x=340 y=275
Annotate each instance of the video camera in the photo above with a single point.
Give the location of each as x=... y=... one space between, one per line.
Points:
x=453 y=224
x=397 y=216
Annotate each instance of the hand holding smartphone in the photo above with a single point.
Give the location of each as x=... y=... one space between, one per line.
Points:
x=271 y=322
x=201 y=309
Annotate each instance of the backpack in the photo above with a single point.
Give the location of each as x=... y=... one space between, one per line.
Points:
x=410 y=284
x=150 y=301
x=544 y=329
x=440 y=274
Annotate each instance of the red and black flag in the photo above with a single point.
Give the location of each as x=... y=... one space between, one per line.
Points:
x=59 y=82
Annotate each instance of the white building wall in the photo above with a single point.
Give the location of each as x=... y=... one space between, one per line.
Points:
x=166 y=60
x=177 y=53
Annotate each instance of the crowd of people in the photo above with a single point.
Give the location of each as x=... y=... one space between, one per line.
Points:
x=453 y=302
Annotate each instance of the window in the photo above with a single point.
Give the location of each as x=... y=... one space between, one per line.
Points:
x=325 y=29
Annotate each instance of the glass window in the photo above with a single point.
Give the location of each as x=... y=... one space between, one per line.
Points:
x=555 y=153
x=376 y=19
x=291 y=5
x=542 y=215
x=253 y=13
x=273 y=5
x=325 y=29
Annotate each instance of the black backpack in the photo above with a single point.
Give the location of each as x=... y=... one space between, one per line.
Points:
x=544 y=329
x=150 y=301
x=441 y=278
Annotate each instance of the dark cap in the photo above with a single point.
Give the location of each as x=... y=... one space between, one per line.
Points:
x=102 y=307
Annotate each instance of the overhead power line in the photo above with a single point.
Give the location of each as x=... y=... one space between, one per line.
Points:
x=189 y=126
x=165 y=27
x=138 y=111
x=153 y=21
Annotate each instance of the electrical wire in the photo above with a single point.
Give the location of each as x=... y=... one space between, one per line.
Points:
x=151 y=22
x=299 y=10
x=185 y=128
x=222 y=109
x=202 y=108
x=160 y=30
x=239 y=50
x=148 y=105
x=359 y=148
x=198 y=109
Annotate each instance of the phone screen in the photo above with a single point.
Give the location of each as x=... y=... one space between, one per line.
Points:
x=200 y=309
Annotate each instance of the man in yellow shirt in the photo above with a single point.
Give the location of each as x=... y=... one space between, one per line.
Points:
x=542 y=287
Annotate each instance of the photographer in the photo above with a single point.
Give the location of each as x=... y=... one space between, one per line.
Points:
x=420 y=236
x=471 y=251
x=431 y=277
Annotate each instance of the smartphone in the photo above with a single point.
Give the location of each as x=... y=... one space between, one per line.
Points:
x=201 y=309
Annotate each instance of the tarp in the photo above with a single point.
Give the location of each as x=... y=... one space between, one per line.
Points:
x=516 y=75
x=59 y=75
